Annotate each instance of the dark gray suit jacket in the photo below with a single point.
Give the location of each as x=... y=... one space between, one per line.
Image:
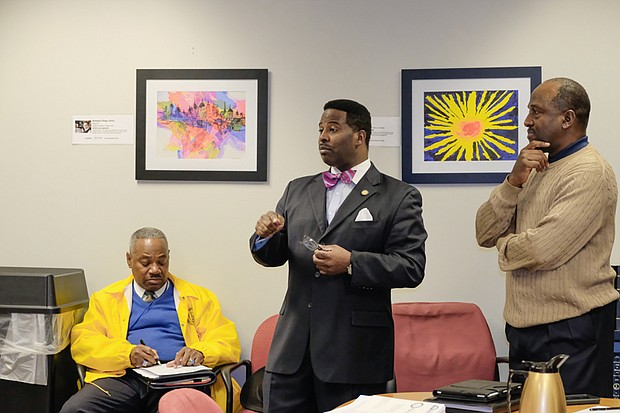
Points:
x=346 y=320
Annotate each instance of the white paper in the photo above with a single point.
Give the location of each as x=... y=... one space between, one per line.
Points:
x=103 y=129
x=607 y=409
x=161 y=370
x=381 y=404
x=385 y=131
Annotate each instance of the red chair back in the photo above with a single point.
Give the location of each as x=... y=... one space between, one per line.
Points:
x=441 y=343
x=262 y=342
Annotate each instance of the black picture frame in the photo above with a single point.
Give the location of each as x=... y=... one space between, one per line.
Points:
x=194 y=135
x=435 y=153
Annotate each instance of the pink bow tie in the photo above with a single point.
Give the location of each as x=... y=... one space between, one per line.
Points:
x=330 y=179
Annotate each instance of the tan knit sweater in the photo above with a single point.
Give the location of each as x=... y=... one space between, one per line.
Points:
x=554 y=238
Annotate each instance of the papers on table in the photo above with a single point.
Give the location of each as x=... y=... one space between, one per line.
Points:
x=600 y=409
x=382 y=404
x=161 y=370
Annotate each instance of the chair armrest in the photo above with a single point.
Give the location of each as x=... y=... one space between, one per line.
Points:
x=226 y=372
x=501 y=359
x=390 y=386
x=81 y=371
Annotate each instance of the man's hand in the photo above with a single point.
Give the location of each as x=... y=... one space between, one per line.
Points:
x=143 y=356
x=187 y=357
x=269 y=224
x=331 y=259
x=531 y=157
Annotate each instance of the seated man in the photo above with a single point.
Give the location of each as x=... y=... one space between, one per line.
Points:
x=149 y=316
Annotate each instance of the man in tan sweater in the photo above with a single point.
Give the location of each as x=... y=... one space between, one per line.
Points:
x=553 y=222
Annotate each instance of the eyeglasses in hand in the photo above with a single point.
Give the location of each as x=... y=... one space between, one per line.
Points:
x=311 y=244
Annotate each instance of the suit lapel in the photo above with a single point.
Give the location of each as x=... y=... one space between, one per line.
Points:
x=316 y=193
x=363 y=191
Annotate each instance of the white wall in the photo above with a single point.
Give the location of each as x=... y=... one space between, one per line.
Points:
x=67 y=205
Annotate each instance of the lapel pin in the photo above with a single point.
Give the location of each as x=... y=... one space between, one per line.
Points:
x=365 y=192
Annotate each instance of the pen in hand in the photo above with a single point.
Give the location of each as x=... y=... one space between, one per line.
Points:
x=144 y=344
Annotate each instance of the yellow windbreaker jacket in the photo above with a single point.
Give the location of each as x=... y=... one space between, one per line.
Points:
x=100 y=341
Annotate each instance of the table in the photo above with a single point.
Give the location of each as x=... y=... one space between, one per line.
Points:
x=570 y=409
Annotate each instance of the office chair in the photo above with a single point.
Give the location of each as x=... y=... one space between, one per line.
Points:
x=441 y=343
x=251 y=392
x=187 y=400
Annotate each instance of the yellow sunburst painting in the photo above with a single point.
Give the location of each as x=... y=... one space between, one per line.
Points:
x=471 y=125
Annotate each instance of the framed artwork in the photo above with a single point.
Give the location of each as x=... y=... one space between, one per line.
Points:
x=464 y=125
x=201 y=124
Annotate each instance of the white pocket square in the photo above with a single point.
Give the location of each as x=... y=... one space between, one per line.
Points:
x=363 y=215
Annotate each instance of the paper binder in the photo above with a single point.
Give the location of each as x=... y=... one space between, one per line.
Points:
x=163 y=377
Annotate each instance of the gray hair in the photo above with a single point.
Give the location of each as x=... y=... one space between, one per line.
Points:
x=145 y=233
x=571 y=95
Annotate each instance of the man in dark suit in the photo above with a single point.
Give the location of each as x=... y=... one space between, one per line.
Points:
x=349 y=235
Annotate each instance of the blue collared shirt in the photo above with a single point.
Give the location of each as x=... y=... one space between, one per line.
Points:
x=570 y=149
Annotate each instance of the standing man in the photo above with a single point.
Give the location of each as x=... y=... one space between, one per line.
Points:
x=150 y=315
x=553 y=221
x=350 y=235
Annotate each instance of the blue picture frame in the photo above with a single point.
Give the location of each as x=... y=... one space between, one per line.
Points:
x=463 y=126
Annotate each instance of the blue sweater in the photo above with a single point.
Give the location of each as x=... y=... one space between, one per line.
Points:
x=157 y=324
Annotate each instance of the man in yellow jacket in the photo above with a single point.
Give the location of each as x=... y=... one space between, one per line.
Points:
x=136 y=322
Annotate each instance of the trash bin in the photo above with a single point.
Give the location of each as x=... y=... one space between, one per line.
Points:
x=38 y=308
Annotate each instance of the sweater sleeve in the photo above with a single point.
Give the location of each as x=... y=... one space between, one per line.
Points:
x=496 y=217
x=575 y=215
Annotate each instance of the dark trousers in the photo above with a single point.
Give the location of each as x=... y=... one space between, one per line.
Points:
x=125 y=394
x=303 y=392
x=587 y=339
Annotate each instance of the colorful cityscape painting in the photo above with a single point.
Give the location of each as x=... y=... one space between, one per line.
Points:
x=202 y=125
